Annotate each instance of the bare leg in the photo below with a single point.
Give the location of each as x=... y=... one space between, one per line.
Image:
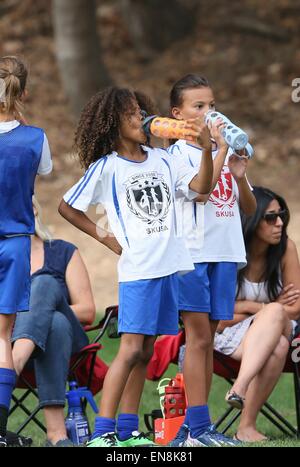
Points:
x=198 y=343
x=21 y=352
x=129 y=355
x=55 y=423
x=259 y=390
x=6 y=325
x=259 y=343
x=210 y=357
x=135 y=384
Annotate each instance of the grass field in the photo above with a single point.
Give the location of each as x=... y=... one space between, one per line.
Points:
x=282 y=398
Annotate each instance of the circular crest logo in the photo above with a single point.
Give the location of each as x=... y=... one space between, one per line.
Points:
x=148 y=197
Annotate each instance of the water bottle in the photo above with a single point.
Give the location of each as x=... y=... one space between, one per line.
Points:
x=168 y=128
x=174 y=403
x=77 y=425
x=234 y=136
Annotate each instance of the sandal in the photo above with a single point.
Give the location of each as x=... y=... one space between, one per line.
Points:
x=233 y=399
x=236 y=438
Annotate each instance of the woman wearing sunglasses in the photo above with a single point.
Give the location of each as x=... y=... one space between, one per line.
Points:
x=267 y=305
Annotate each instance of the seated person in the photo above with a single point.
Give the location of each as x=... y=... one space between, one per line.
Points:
x=267 y=303
x=61 y=302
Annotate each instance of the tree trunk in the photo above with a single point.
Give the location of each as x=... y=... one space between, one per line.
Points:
x=155 y=24
x=78 y=50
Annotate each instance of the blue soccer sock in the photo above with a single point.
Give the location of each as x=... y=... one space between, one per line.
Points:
x=199 y=420
x=103 y=425
x=127 y=423
x=186 y=419
x=7 y=384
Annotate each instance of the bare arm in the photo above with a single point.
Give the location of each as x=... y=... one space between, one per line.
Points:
x=238 y=166
x=82 y=222
x=291 y=281
x=247 y=307
x=79 y=287
x=246 y=197
x=217 y=169
x=201 y=183
x=218 y=163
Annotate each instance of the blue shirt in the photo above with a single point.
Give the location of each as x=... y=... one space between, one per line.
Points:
x=20 y=153
x=57 y=255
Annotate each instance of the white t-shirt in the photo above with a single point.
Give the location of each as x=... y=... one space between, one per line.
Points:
x=45 y=165
x=213 y=231
x=138 y=198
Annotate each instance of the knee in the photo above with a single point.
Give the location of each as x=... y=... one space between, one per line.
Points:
x=60 y=327
x=147 y=354
x=132 y=354
x=43 y=283
x=276 y=313
x=199 y=343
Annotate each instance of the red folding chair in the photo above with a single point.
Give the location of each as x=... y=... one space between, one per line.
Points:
x=85 y=367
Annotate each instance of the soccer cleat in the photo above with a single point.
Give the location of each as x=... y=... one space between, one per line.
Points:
x=108 y=440
x=210 y=438
x=3 y=442
x=15 y=440
x=180 y=438
x=138 y=440
x=223 y=439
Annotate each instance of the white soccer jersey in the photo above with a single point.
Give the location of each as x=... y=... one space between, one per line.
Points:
x=213 y=231
x=45 y=165
x=139 y=201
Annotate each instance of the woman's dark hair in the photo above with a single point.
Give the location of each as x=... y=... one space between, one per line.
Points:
x=271 y=273
x=99 y=123
x=189 y=81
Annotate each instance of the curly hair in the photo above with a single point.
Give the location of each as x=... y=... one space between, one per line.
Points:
x=99 y=123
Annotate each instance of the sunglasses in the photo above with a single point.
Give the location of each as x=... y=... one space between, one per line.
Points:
x=271 y=217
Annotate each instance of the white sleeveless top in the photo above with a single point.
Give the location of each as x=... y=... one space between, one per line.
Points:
x=254 y=291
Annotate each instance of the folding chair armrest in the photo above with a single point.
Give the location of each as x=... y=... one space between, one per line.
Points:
x=110 y=313
x=89 y=328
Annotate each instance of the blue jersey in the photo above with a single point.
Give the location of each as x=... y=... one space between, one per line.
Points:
x=20 y=154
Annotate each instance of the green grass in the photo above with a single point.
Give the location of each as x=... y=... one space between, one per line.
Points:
x=282 y=398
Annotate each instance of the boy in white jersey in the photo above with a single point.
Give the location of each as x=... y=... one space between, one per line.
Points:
x=207 y=294
x=136 y=185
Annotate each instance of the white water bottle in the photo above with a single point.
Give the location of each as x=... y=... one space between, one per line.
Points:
x=234 y=136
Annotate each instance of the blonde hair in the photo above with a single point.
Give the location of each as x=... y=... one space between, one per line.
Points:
x=41 y=230
x=13 y=74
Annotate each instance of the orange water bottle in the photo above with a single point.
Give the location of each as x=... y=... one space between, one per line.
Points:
x=169 y=128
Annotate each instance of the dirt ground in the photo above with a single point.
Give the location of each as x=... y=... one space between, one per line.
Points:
x=251 y=73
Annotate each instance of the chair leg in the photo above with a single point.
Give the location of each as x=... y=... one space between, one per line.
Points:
x=18 y=402
x=297 y=396
x=31 y=416
x=292 y=431
x=223 y=417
